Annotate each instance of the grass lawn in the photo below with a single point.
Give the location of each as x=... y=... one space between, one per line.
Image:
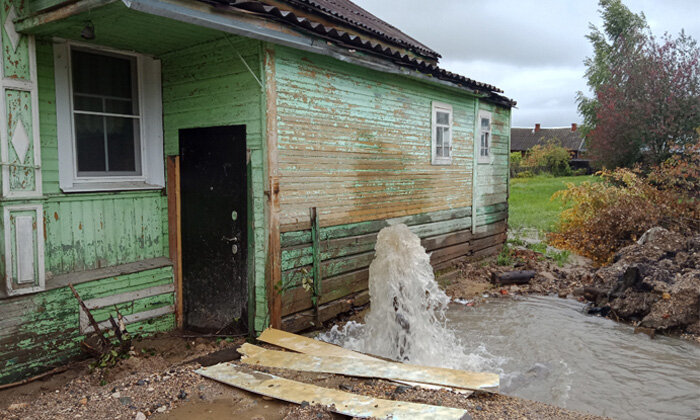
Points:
x=530 y=205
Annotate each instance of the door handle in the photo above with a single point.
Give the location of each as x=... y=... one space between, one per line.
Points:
x=231 y=239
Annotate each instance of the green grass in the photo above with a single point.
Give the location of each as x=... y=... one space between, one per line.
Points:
x=530 y=205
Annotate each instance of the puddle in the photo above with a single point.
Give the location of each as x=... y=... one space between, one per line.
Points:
x=226 y=409
x=547 y=350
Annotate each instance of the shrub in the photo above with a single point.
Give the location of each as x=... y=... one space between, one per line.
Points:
x=552 y=157
x=516 y=158
x=605 y=216
x=525 y=174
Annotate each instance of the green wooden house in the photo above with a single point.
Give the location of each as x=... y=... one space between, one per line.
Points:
x=225 y=165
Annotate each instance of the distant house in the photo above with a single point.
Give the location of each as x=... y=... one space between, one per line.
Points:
x=523 y=139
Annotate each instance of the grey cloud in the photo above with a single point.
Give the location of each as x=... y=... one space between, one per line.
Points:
x=500 y=31
x=533 y=50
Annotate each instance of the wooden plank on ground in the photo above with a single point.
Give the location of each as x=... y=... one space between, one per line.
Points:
x=338 y=401
x=308 y=345
x=392 y=371
x=313 y=347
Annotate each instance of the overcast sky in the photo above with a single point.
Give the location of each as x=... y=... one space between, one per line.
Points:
x=532 y=49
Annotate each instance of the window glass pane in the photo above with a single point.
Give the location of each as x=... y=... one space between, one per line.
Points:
x=121 y=144
x=88 y=103
x=90 y=141
x=438 y=137
x=446 y=140
x=103 y=77
x=442 y=118
x=485 y=124
x=484 y=144
x=118 y=106
x=100 y=74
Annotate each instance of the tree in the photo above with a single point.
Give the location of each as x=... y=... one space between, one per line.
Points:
x=650 y=104
x=647 y=92
x=620 y=26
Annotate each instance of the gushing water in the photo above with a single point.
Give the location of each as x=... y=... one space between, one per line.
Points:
x=407 y=319
x=548 y=350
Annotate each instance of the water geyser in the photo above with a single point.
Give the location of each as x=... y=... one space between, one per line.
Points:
x=406 y=321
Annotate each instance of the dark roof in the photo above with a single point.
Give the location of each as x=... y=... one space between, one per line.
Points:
x=525 y=138
x=356 y=28
x=355 y=15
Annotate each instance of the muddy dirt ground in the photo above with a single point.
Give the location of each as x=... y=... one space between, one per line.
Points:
x=160 y=383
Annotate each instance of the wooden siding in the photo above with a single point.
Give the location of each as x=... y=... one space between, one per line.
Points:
x=492 y=178
x=356 y=143
x=91 y=230
x=40 y=330
x=208 y=85
x=346 y=252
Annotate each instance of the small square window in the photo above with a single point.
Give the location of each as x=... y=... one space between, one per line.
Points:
x=484 y=155
x=441 y=134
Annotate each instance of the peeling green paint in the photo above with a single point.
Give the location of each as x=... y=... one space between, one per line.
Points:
x=39 y=330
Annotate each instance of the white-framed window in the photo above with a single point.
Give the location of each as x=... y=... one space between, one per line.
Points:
x=442 y=134
x=484 y=149
x=109 y=115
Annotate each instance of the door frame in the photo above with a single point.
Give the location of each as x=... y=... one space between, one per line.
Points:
x=175 y=234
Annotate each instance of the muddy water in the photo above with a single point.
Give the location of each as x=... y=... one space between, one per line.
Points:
x=250 y=407
x=547 y=350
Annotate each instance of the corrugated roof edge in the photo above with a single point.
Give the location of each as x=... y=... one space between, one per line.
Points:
x=418 y=46
x=358 y=42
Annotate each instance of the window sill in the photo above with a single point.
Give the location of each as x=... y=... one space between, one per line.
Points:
x=442 y=162
x=110 y=186
x=486 y=161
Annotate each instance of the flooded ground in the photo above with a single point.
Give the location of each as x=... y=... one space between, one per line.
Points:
x=548 y=350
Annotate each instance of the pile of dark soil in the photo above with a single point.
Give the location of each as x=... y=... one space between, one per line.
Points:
x=654 y=283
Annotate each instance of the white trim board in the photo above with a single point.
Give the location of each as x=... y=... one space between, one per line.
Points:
x=36 y=236
x=21 y=86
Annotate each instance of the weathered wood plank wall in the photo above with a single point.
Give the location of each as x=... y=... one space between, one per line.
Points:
x=91 y=230
x=37 y=331
x=492 y=178
x=356 y=144
x=348 y=250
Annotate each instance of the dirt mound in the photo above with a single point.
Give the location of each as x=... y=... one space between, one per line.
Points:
x=654 y=283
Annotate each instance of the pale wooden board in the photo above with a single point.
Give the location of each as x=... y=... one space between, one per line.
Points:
x=254 y=355
x=342 y=402
x=313 y=347
x=307 y=345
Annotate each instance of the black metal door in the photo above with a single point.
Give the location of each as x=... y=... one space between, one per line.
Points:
x=214 y=226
